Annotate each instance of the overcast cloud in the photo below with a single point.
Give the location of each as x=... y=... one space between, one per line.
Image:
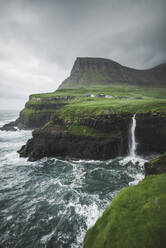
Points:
x=40 y=39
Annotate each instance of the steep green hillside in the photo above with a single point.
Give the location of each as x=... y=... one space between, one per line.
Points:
x=90 y=71
x=136 y=218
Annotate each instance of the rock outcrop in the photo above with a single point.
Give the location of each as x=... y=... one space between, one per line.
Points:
x=91 y=71
x=9 y=127
x=103 y=138
x=156 y=166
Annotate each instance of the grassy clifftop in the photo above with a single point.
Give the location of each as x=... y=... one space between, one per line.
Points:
x=136 y=218
x=87 y=102
x=126 y=98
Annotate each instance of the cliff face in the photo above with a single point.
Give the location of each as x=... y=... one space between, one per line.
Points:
x=104 y=137
x=104 y=71
x=37 y=112
x=151 y=132
x=156 y=166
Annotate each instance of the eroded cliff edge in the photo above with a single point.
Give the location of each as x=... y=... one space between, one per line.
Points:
x=103 y=137
x=136 y=217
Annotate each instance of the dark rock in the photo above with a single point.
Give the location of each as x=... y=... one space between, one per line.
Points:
x=156 y=166
x=9 y=127
x=151 y=132
x=56 y=140
x=110 y=139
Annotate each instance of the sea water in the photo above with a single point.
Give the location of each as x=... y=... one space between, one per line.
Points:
x=52 y=202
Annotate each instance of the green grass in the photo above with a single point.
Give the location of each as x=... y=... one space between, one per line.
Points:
x=83 y=108
x=81 y=130
x=136 y=218
x=152 y=100
x=115 y=89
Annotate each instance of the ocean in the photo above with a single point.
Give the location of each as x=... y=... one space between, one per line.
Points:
x=52 y=202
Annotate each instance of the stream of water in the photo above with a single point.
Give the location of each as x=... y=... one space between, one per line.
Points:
x=52 y=202
x=133 y=144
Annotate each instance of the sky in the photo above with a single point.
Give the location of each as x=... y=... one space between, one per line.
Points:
x=40 y=40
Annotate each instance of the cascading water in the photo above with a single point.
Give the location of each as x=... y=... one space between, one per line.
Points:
x=132 y=156
x=133 y=144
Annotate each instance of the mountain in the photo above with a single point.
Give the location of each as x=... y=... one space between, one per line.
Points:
x=90 y=71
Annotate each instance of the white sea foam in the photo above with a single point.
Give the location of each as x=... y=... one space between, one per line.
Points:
x=135 y=160
x=47 y=237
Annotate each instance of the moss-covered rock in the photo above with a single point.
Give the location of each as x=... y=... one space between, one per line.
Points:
x=156 y=166
x=136 y=218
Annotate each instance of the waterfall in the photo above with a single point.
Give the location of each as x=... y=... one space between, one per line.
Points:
x=132 y=156
x=133 y=144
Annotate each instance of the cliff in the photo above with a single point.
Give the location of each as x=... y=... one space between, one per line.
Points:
x=136 y=217
x=124 y=90
x=156 y=166
x=91 y=71
x=38 y=111
x=93 y=122
x=103 y=137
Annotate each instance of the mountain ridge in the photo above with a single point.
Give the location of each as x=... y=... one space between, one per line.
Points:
x=91 y=71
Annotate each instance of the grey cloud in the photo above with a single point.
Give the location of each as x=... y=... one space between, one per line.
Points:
x=51 y=34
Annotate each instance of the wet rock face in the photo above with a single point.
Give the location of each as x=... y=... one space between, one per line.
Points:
x=72 y=146
x=32 y=121
x=109 y=122
x=9 y=127
x=151 y=132
x=156 y=166
x=53 y=141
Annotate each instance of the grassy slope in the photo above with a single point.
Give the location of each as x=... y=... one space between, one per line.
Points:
x=136 y=218
x=153 y=99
